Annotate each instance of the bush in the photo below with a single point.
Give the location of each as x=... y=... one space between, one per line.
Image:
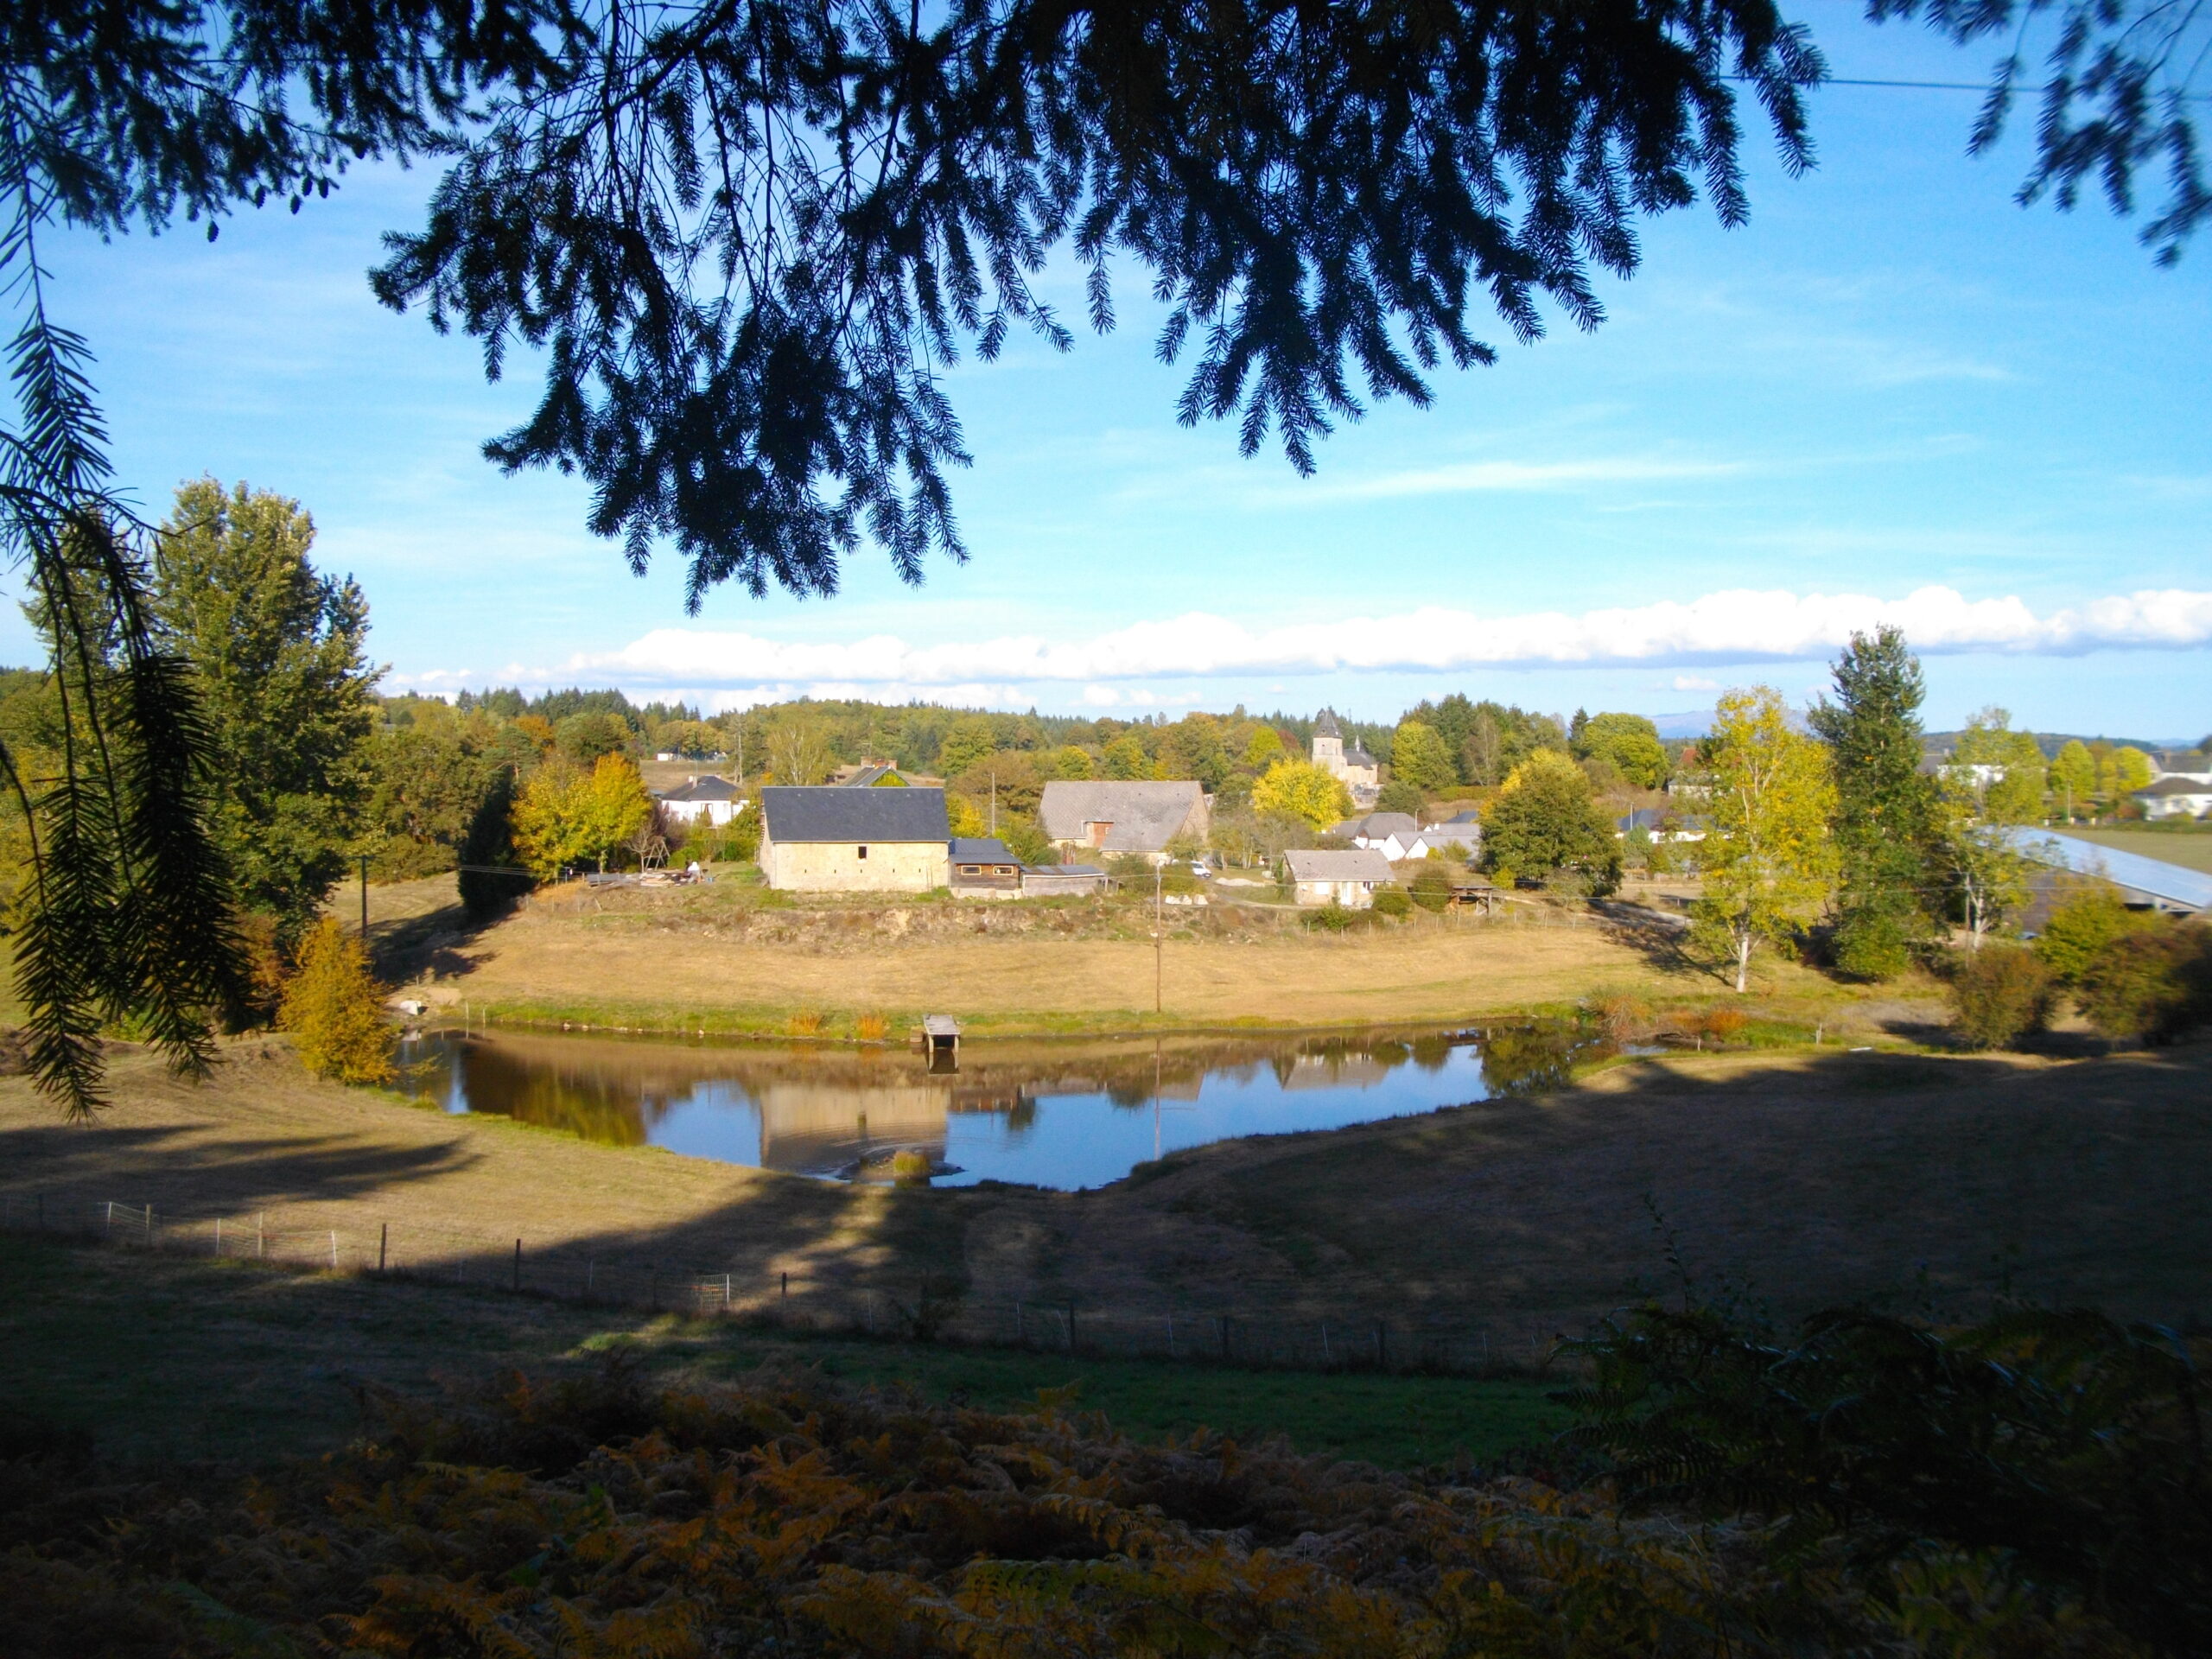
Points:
x=1432 y=884
x=2153 y=984
x=1624 y=1018
x=1331 y=918
x=1874 y=943
x=1999 y=994
x=335 y=1009
x=2067 y=1446
x=1392 y=901
x=2080 y=929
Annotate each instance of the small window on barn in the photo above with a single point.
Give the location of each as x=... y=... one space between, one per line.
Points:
x=971 y=869
x=863 y=852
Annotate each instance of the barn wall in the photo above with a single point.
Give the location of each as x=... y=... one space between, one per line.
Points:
x=837 y=867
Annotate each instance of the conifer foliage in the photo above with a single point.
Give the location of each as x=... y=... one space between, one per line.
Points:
x=1887 y=823
x=333 y=1008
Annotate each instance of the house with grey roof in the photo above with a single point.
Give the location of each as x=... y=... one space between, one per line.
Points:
x=702 y=800
x=1113 y=816
x=823 y=838
x=983 y=867
x=2177 y=795
x=1349 y=877
x=1396 y=836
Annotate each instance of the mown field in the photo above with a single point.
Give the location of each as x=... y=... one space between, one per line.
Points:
x=2190 y=848
x=1817 y=1176
x=732 y=959
x=160 y=1356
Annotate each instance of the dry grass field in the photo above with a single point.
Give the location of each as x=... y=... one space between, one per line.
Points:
x=732 y=960
x=1816 y=1176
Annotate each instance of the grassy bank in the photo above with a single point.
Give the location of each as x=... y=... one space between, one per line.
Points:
x=731 y=961
x=161 y=1356
x=1818 y=1176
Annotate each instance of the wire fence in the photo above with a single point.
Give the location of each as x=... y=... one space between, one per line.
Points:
x=910 y=1306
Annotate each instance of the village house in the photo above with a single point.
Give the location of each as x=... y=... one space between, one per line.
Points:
x=983 y=868
x=1358 y=770
x=2177 y=795
x=1062 y=881
x=823 y=838
x=1105 y=816
x=1463 y=830
x=709 y=800
x=1348 y=877
x=1396 y=836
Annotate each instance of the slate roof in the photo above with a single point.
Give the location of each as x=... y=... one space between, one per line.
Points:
x=1326 y=726
x=1358 y=756
x=1145 y=815
x=869 y=776
x=1376 y=826
x=1358 y=864
x=700 y=789
x=981 y=849
x=2174 y=783
x=829 y=812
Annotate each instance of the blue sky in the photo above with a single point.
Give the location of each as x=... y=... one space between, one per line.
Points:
x=1895 y=380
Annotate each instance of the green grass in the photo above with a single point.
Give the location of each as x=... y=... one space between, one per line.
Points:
x=170 y=1356
x=2190 y=848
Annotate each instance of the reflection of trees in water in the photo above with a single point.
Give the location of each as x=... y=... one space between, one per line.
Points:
x=584 y=1100
x=1532 y=1059
x=616 y=1093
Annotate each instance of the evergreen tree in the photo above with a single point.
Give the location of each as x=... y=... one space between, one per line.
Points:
x=285 y=688
x=1887 y=823
x=488 y=850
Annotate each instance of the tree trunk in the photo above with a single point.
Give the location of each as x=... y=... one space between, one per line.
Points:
x=1743 y=961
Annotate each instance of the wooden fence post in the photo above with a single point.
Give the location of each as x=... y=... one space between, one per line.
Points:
x=517 y=1264
x=384 y=1242
x=149 y=1226
x=219 y=1235
x=334 y=1250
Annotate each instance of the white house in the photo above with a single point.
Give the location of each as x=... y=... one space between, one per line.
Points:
x=2177 y=795
x=1394 y=835
x=1349 y=877
x=702 y=800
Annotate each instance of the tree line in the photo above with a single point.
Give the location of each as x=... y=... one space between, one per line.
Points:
x=1840 y=832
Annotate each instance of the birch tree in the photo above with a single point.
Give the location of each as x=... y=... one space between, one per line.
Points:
x=1766 y=858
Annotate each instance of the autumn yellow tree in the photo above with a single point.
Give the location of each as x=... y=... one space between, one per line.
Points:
x=1298 y=789
x=567 y=815
x=333 y=1008
x=1766 y=857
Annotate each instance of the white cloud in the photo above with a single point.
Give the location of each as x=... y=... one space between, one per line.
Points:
x=1733 y=626
x=1694 y=682
x=1493 y=477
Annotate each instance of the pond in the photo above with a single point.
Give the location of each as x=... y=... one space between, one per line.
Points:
x=1064 y=1116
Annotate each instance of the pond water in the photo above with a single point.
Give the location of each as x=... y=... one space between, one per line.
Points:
x=1069 y=1116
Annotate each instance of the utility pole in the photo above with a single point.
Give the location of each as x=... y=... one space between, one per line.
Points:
x=365 y=897
x=1159 y=936
x=995 y=800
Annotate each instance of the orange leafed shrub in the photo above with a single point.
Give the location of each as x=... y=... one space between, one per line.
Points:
x=871 y=1027
x=599 y=1517
x=333 y=1008
x=805 y=1023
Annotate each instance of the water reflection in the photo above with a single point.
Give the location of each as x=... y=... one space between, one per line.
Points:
x=1067 y=1116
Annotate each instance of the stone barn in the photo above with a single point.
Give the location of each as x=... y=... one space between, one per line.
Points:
x=826 y=839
